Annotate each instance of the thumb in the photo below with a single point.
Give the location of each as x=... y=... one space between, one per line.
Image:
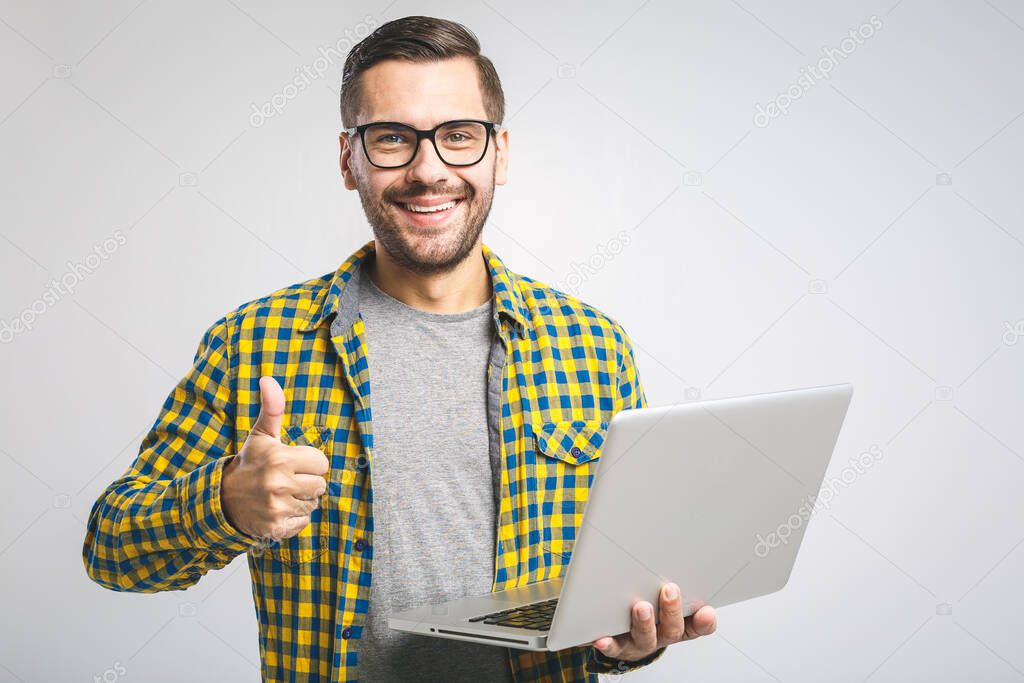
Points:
x=271 y=408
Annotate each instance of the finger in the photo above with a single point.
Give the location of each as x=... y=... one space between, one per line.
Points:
x=703 y=622
x=644 y=630
x=309 y=486
x=300 y=507
x=615 y=646
x=271 y=408
x=291 y=526
x=308 y=460
x=671 y=627
x=642 y=638
x=286 y=528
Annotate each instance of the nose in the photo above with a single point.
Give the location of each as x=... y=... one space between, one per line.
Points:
x=427 y=167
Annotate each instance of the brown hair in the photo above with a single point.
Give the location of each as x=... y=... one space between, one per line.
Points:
x=418 y=39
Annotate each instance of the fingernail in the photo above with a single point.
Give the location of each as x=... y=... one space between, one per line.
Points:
x=644 y=612
x=670 y=593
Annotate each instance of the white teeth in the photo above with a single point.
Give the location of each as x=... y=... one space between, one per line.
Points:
x=430 y=209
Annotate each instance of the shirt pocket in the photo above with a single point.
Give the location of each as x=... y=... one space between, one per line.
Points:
x=574 y=442
x=314 y=540
x=567 y=453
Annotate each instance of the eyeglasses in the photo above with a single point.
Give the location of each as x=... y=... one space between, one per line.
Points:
x=388 y=144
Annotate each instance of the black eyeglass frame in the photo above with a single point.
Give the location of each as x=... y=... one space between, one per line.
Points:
x=421 y=134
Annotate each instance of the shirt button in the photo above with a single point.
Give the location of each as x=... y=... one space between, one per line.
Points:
x=360 y=544
x=347 y=633
x=575 y=452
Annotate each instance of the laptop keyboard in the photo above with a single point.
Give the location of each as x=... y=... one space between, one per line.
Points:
x=535 y=616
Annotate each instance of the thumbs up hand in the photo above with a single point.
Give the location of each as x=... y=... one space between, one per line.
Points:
x=269 y=489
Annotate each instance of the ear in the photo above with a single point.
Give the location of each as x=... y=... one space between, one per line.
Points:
x=345 y=162
x=501 y=156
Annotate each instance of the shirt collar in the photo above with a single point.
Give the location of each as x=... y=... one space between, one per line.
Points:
x=341 y=297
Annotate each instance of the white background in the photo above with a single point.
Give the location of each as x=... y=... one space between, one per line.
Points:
x=873 y=234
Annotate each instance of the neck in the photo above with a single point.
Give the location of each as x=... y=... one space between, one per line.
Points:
x=463 y=288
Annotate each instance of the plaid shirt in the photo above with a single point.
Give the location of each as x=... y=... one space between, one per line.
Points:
x=558 y=372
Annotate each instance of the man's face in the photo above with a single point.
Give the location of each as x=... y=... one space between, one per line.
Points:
x=422 y=96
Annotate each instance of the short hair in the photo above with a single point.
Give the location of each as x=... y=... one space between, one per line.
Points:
x=418 y=39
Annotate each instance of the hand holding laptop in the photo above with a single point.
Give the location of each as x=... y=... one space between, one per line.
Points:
x=707 y=478
x=646 y=636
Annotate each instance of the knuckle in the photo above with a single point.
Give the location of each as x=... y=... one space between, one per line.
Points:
x=277 y=485
x=674 y=633
x=646 y=629
x=672 y=609
x=277 y=457
x=279 y=511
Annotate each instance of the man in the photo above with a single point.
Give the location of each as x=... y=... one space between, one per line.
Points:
x=489 y=391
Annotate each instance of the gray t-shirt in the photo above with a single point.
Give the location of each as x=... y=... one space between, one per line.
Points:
x=434 y=513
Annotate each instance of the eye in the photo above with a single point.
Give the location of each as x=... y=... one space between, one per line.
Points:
x=389 y=138
x=459 y=137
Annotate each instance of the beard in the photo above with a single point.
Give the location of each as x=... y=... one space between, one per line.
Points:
x=434 y=253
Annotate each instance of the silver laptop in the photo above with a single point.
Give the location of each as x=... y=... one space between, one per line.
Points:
x=713 y=495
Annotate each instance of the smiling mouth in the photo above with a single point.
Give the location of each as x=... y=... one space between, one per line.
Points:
x=420 y=208
x=431 y=211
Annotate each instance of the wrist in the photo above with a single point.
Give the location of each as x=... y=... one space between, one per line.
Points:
x=623 y=664
x=202 y=511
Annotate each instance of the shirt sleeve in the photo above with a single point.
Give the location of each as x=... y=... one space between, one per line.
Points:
x=629 y=392
x=597 y=662
x=160 y=526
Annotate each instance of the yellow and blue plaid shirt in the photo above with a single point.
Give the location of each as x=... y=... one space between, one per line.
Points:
x=559 y=371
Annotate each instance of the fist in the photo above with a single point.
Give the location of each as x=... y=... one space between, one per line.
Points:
x=269 y=489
